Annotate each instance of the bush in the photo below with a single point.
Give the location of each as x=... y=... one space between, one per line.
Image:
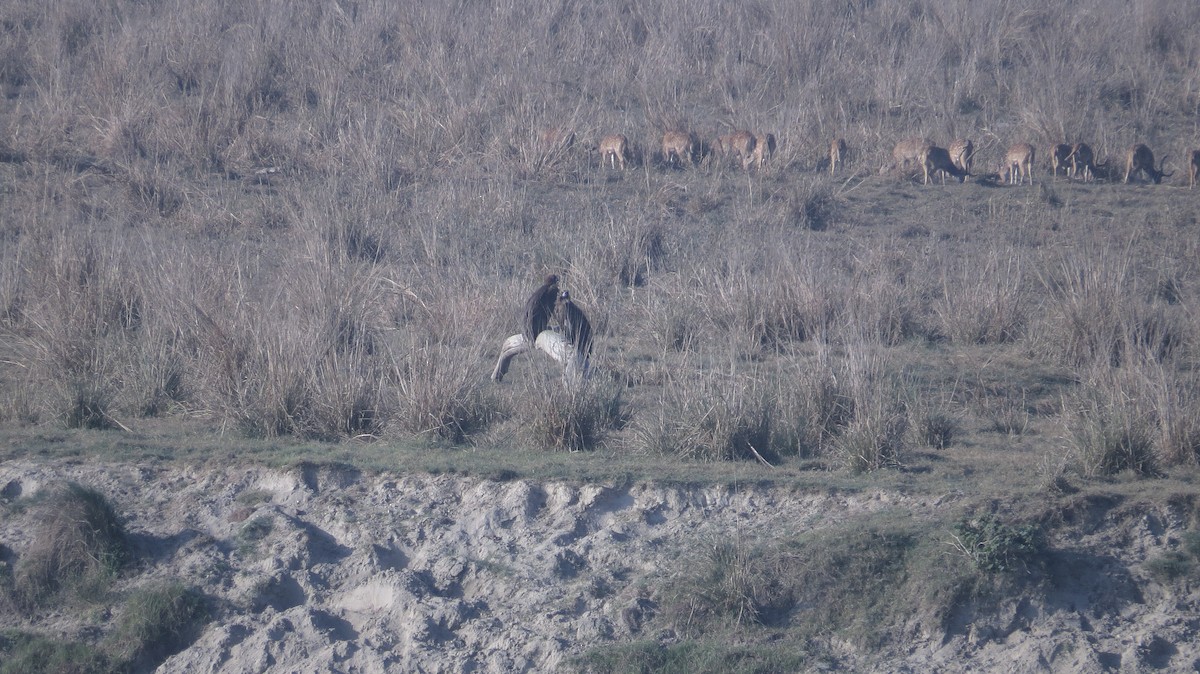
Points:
x=995 y=546
x=706 y=417
x=23 y=653
x=574 y=419
x=874 y=436
x=80 y=546
x=156 y=622
x=1109 y=430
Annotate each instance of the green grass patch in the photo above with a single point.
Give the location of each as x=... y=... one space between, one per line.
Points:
x=254 y=532
x=156 y=622
x=695 y=657
x=864 y=581
x=24 y=653
x=995 y=546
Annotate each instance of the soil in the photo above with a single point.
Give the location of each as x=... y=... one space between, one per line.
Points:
x=331 y=570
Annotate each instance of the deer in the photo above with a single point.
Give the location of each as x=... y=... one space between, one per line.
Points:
x=934 y=159
x=962 y=153
x=764 y=148
x=614 y=150
x=557 y=140
x=1060 y=155
x=1140 y=158
x=1083 y=166
x=740 y=144
x=1018 y=163
x=1193 y=168
x=837 y=155
x=678 y=147
x=910 y=150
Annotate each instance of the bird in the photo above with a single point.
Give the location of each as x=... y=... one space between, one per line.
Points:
x=540 y=308
x=574 y=324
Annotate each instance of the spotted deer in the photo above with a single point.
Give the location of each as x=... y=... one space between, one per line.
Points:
x=1082 y=163
x=837 y=155
x=1018 y=163
x=1140 y=158
x=678 y=148
x=910 y=150
x=614 y=150
x=962 y=153
x=936 y=159
x=739 y=145
x=764 y=148
x=1060 y=158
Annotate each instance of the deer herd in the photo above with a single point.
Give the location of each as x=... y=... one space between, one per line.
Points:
x=755 y=149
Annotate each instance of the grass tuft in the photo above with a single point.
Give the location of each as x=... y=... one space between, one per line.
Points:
x=155 y=623
x=80 y=548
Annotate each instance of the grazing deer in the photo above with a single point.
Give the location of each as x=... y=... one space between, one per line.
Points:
x=1140 y=158
x=935 y=159
x=837 y=155
x=556 y=140
x=1193 y=168
x=962 y=153
x=910 y=150
x=1083 y=166
x=1060 y=155
x=738 y=144
x=678 y=147
x=1018 y=163
x=764 y=148
x=614 y=150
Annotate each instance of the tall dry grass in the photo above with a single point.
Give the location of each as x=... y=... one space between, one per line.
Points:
x=320 y=220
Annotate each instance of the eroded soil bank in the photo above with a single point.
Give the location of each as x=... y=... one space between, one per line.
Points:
x=328 y=569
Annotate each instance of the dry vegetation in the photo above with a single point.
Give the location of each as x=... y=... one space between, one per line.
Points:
x=319 y=220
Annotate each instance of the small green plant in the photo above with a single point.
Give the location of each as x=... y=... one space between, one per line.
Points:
x=937 y=430
x=24 y=653
x=253 y=497
x=156 y=622
x=995 y=546
x=81 y=546
x=1170 y=566
x=696 y=657
x=731 y=583
x=1175 y=564
x=253 y=532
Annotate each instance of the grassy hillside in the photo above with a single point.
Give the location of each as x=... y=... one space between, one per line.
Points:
x=319 y=221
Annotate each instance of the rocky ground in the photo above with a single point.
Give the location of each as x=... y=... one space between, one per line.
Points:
x=326 y=569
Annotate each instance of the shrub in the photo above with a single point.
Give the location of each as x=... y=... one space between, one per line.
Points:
x=1170 y=566
x=156 y=622
x=860 y=581
x=984 y=303
x=1109 y=430
x=937 y=429
x=253 y=532
x=729 y=583
x=439 y=392
x=706 y=417
x=81 y=545
x=995 y=546
x=574 y=419
x=23 y=653
x=874 y=436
